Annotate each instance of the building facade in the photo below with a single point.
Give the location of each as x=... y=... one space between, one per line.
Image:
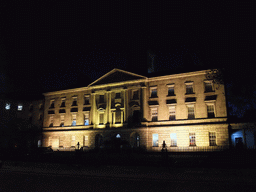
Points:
x=21 y=121
x=185 y=111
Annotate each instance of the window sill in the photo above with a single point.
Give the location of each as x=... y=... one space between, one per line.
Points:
x=192 y=145
x=170 y=95
x=190 y=93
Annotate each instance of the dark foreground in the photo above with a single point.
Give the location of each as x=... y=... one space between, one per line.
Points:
x=129 y=172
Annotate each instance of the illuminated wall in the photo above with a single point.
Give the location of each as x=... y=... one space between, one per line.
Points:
x=187 y=105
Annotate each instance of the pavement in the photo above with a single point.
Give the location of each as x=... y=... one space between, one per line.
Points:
x=135 y=172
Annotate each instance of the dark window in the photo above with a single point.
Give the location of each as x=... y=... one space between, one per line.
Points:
x=154 y=92
x=189 y=89
x=52 y=104
x=170 y=91
x=118 y=95
x=86 y=100
x=135 y=95
x=208 y=87
x=62 y=104
x=101 y=98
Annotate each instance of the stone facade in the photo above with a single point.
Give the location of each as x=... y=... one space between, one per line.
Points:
x=186 y=111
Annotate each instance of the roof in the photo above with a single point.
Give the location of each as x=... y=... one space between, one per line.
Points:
x=117 y=75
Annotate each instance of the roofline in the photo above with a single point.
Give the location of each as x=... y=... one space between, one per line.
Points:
x=146 y=79
x=114 y=70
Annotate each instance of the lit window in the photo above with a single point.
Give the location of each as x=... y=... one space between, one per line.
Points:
x=172 y=115
x=86 y=119
x=189 y=88
x=208 y=86
x=20 y=107
x=155 y=140
x=191 y=112
x=86 y=100
x=173 y=139
x=74 y=120
x=7 y=106
x=212 y=138
x=153 y=91
x=86 y=141
x=101 y=119
x=210 y=111
x=192 y=139
x=101 y=98
x=154 y=115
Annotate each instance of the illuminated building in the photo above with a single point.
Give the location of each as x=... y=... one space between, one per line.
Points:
x=185 y=110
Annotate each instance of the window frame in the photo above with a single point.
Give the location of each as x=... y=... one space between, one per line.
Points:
x=155 y=143
x=212 y=138
x=191 y=136
x=173 y=140
x=154 y=115
x=152 y=93
x=190 y=106
x=172 y=112
x=189 y=83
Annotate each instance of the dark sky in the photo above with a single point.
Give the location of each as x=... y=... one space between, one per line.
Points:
x=50 y=45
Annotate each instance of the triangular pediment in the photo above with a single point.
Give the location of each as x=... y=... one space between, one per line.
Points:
x=115 y=76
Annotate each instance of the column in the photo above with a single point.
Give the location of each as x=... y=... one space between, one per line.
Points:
x=144 y=102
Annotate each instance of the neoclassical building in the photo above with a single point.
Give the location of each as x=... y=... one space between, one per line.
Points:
x=185 y=111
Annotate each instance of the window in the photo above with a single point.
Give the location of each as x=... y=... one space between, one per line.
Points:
x=170 y=89
x=154 y=114
x=212 y=138
x=61 y=142
x=62 y=121
x=118 y=95
x=192 y=139
x=155 y=140
x=51 y=121
x=135 y=94
x=74 y=101
x=7 y=106
x=118 y=115
x=63 y=100
x=86 y=119
x=210 y=111
x=101 y=121
x=153 y=91
x=191 y=112
x=101 y=98
x=73 y=141
x=189 y=87
x=73 y=119
x=20 y=107
x=208 y=86
x=172 y=113
x=86 y=141
x=86 y=99
x=173 y=140
x=52 y=104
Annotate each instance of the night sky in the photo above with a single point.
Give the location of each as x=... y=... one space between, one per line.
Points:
x=49 y=45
